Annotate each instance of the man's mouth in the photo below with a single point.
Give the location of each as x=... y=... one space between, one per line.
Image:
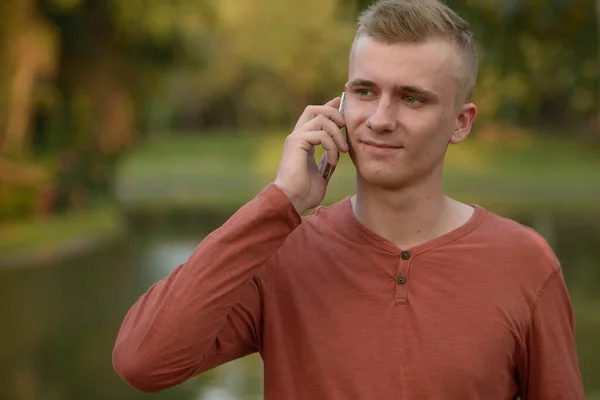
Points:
x=380 y=145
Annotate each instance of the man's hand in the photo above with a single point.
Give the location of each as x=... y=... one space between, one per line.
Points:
x=298 y=175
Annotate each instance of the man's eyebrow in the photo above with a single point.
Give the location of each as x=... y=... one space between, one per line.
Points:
x=415 y=90
x=362 y=82
x=397 y=88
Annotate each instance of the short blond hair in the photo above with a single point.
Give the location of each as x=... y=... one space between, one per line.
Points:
x=394 y=21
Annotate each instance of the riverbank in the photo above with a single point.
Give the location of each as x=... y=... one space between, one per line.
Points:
x=38 y=242
x=213 y=175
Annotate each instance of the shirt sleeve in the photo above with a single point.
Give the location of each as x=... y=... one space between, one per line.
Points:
x=208 y=310
x=548 y=367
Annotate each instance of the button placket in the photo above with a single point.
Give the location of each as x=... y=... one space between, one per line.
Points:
x=402 y=278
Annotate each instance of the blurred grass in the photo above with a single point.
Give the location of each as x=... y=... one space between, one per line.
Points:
x=185 y=154
x=189 y=171
x=227 y=170
x=554 y=173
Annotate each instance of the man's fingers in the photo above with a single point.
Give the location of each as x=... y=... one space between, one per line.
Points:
x=321 y=137
x=333 y=156
x=321 y=122
x=330 y=112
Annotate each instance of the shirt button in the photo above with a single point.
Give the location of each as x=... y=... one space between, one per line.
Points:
x=405 y=255
x=401 y=279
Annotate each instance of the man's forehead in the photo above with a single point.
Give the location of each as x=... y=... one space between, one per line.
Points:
x=430 y=64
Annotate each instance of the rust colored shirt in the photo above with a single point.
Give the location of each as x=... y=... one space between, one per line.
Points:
x=339 y=313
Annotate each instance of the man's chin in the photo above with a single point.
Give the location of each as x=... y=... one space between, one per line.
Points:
x=381 y=178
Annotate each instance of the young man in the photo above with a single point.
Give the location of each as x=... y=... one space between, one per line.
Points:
x=397 y=292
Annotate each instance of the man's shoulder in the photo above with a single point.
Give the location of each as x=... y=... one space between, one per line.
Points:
x=324 y=215
x=521 y=241
x=320 y=226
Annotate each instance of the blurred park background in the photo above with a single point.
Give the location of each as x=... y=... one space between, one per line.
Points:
x=131 y=129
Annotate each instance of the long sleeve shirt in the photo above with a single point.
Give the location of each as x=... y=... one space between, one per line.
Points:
x=338 y=312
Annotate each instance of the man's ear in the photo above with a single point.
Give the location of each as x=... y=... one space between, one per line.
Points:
x=464 y=122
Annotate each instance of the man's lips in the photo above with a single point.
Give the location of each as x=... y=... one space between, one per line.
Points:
x=380 y=145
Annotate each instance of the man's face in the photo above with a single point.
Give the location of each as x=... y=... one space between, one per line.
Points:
x=401 y=111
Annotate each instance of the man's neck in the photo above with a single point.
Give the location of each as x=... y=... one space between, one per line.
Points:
x=410 y=216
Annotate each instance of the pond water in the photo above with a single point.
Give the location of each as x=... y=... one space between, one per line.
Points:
x=59 y=322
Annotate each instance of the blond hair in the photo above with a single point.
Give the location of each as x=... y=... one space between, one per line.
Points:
x=394 y=21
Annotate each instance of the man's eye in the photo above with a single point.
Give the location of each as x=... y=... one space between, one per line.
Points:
x=412 y=100
x=364 y=92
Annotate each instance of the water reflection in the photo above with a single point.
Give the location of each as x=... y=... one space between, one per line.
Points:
x=59 y=326
x=163 y=257
x=60 y=321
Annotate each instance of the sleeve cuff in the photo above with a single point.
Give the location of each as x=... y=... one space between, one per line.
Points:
x=275 y=197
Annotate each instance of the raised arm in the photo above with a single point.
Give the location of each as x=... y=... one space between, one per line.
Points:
x=207 y=311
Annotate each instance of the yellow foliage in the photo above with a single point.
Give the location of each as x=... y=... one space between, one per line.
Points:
x=272 y=33
x=267 y=154
x=466 y=157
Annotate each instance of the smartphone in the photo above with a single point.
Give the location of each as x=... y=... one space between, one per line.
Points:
x=328 y=169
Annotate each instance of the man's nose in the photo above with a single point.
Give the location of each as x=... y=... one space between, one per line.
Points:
x=383 y=118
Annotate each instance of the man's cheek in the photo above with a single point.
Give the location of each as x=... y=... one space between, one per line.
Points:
x=351 y=140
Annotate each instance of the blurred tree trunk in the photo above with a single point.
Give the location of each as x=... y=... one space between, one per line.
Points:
x=30 y=53
x=98 y=113
x=598 y=62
